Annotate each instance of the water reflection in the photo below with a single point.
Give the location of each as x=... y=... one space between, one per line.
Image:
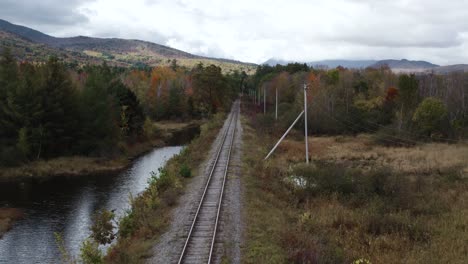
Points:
x=66 y=206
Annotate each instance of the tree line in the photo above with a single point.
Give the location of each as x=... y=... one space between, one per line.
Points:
x=49 y=110
x=401 y=108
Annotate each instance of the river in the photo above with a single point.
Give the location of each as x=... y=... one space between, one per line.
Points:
x=66 y=205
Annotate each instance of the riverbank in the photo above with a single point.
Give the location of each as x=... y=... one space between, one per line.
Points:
x=7 y=217
x=151 y=211
x=168 y=134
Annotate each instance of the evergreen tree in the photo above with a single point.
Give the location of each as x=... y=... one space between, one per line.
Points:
x=99 y=113
x=8 y=83
x=131 y=113
x=56 y=131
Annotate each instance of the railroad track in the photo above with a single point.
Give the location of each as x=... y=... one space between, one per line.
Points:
x=200 y=243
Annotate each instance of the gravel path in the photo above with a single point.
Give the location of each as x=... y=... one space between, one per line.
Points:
x=169 y=246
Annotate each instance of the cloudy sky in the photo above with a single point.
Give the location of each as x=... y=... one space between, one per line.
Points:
x=256 y=30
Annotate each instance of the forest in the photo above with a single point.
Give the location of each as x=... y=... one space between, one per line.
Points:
x=401 y=109
x=51 y=110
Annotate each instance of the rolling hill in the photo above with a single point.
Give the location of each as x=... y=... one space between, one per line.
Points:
x=406 y=65
x=398 y=66
x=451 y=68
x=30 y=44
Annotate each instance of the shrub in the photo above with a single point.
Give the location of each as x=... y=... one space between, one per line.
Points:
x=325 y=179
x=127 y=224
x=164 y=180
x=429 y=117
x=90 y=253
x=103 y=227
x=185 y=171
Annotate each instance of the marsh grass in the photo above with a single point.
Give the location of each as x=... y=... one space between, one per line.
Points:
x=358 y=200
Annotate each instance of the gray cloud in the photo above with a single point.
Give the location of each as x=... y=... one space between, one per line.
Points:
x=255 y=31
x=43 y=12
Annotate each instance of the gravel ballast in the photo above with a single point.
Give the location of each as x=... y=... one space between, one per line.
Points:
x=170 y=244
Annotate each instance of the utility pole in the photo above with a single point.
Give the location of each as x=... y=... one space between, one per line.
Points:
x=276 y=108
x=305 y=126
x=264 y=100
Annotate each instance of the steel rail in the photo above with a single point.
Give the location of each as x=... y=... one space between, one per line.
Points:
x=222 y=188
x=218 y=153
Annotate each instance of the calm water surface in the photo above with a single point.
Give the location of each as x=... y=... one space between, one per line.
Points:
x=66 y=206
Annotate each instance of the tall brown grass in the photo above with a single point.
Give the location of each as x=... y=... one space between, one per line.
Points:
x=364 y=201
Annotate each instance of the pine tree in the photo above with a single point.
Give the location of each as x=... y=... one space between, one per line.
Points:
x=132 y=117
x=58 y=123
x=99 y=113
x=8 y=83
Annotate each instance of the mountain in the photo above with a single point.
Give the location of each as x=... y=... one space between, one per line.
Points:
x=121 y=52
x=405 y=65
x=357 y=64
x=26 y=50
x=330 y=64
x=396 y=65
x=274 y=62
x=451 y=68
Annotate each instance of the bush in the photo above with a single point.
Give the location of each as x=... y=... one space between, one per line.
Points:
x=90 y=253
x=430 y=117
x=185 y=171
x=325 y=179
x=164 y=180
x=127 y=224
x=103 y=227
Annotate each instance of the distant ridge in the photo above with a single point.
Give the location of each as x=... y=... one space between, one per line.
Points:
x=123 y=52
x=327 y=63
x=357 y=64
x=403 y=65
x=451 y=68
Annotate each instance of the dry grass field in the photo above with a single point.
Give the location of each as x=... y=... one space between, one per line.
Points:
x=360 y=152
x=364 y=201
